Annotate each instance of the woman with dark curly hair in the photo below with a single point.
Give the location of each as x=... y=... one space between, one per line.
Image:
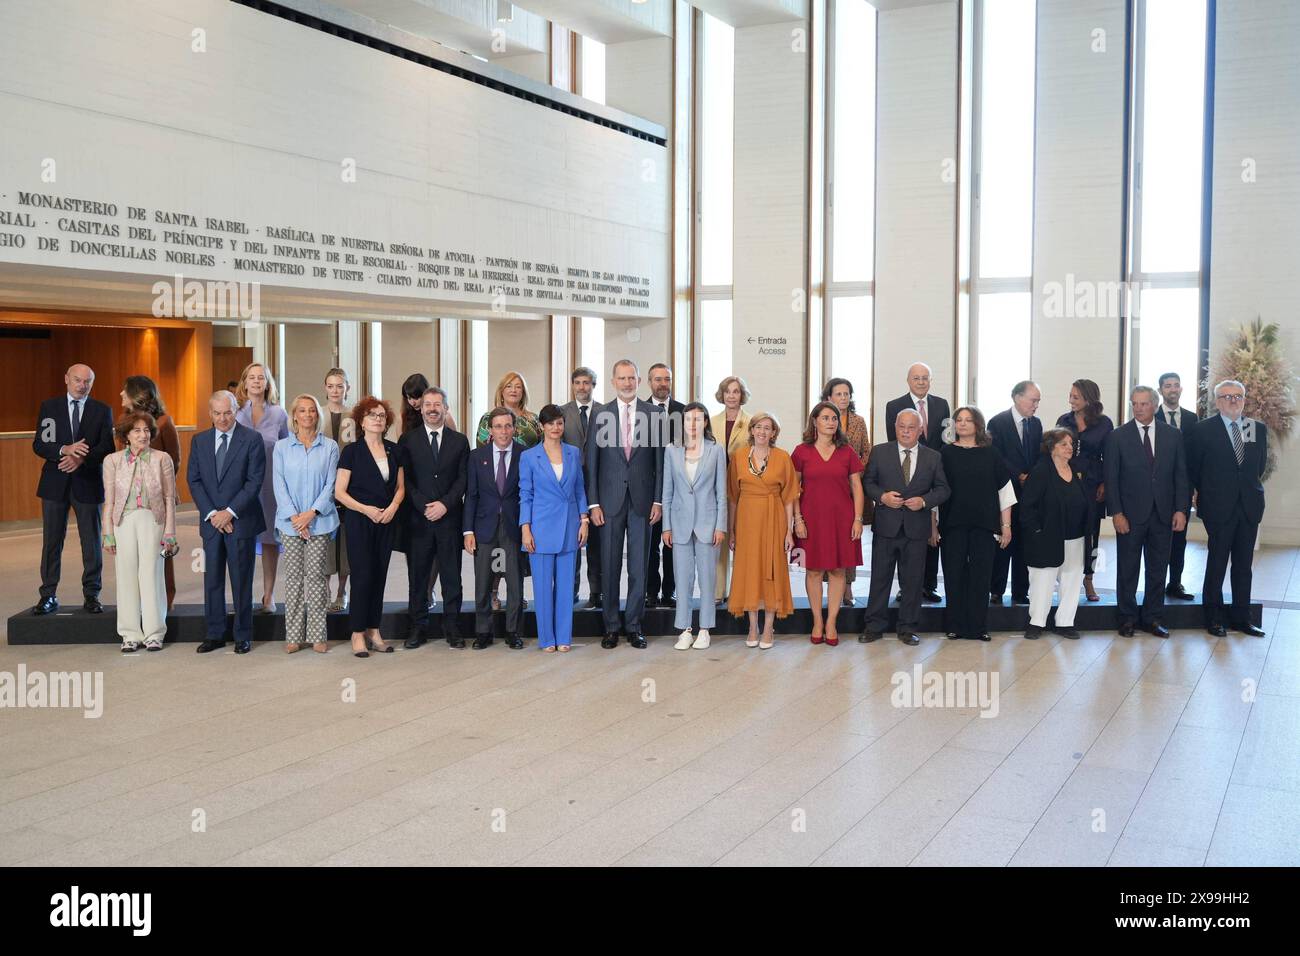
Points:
x=828 y=514
x=370 y=487
x=1090 y=428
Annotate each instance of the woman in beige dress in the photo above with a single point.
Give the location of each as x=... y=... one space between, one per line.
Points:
x=730 y=429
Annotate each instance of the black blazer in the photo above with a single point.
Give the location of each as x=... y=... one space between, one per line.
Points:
x=1186 y=421
x=365 y=483
x=428 y=480
x=1043 y=506
x=86 y=484
x=1002 y=429
x=885 y=473
x=1133 y=488
x=483 y=503
x=670 y=431
x=936 y=413
x=1219 y=482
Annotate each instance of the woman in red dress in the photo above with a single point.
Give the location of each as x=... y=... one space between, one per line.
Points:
x=828 y=516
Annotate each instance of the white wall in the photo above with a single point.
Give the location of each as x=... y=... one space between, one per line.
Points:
x=916 y=206
x=1256 y=225
x=260 y=126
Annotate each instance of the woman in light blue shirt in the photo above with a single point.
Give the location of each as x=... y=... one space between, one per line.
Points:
x=695 y=519
x=305 y=522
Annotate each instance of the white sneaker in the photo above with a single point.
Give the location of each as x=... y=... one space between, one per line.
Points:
x=702 y=641
x=684 y=642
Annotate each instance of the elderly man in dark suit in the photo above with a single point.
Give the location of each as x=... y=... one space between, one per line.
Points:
x=905 y=479
x=1228 y=455
x=577 y=417
x=74 y=434
x=491 y=527
x=435 y=460
x=1017 y=434
x=660 y=587
x=225 y=472
x=934 y=415
x=1172 y=413
x=1148 y=497
x=624 y=484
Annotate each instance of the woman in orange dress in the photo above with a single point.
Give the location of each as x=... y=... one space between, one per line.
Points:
x=762 y=487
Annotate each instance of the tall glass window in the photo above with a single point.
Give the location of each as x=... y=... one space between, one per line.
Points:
x=1002 y=214
x=714 y=132
x=1167 y=179
x=592 y=84
x=851 y=196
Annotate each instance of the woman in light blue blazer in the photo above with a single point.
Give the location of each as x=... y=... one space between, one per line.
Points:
x=553 y=526
x=695 y=518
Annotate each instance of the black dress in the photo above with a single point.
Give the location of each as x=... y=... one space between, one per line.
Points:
x=370 y=545
x=1088 y=463
x=969 y=522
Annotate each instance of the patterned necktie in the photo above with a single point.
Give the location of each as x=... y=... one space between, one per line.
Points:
x=501 y=472
x=907 y=467
x=221 y=455
x=925 y=421
x=76 y=418
x=1146 y=446
x=627 y=432
x=1238 y=446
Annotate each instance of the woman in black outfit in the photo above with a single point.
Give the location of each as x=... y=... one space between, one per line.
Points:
x=972 y=524
x=1054 y=509
x=371 y=489
x=1090 y=429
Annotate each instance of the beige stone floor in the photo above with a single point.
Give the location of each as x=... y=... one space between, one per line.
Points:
x=1104 y=751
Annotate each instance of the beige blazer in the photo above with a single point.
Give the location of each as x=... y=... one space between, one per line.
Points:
x=159 y=486
x=739 y=431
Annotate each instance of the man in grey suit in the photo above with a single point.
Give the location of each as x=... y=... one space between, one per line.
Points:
x=577 y=418
x=905 y=479
x=624 y=484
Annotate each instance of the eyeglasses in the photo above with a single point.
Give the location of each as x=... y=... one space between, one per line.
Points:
x=380 y=416
x=1232 y=397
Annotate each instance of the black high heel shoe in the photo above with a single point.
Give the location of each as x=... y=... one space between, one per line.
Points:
x=386 y=649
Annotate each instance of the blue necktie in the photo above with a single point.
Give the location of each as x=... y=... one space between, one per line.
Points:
x=1025 y=441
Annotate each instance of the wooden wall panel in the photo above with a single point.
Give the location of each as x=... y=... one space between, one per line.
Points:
x=227 y=364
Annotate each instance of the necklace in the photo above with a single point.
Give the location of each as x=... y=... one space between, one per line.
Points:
x=760 y=471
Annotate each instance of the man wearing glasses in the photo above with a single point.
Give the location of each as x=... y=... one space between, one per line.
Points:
x=1226 y=464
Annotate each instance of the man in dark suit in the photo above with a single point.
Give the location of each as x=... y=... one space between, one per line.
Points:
x=74 y=434
x=436 y=464
x=225 y=472
x=905 y=479
x=624 y=482
x=577 y=417
x=491 y=527
x=934 y=415
x=1148 y=497
x=668 y=429
x=1017 y=434
x=1171 y=413
x=1228 y=455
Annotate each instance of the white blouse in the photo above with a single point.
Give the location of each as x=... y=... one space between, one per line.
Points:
x=558 y=469
x=382 y=465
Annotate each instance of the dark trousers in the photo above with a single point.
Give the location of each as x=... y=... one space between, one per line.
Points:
x=968 y=555
x=54 y=531
x=498 y=557
x=594 y=535
x=1231 y=540
x=660 y=555
x=1091 y=529
x=441 y=542
x=370 y=548
x=931 y=568
x=1177 y=553
x=1147 y=541
x=620 y=526
x=907 y=555
x=225 y=554
x=1009 y=562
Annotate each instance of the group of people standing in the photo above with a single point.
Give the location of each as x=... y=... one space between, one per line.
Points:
x=691 y=501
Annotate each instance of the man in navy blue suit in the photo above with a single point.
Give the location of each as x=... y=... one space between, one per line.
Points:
x=1148 y=498
x=491 y=527
x=225 y=472
x=1017 y=435
x=1172 y=413
x=74 y=434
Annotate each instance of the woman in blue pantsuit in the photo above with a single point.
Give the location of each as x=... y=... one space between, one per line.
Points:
x=553 y=526
x=695 y=518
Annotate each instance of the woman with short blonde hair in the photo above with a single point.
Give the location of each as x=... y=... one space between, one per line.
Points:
x=730 y=429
